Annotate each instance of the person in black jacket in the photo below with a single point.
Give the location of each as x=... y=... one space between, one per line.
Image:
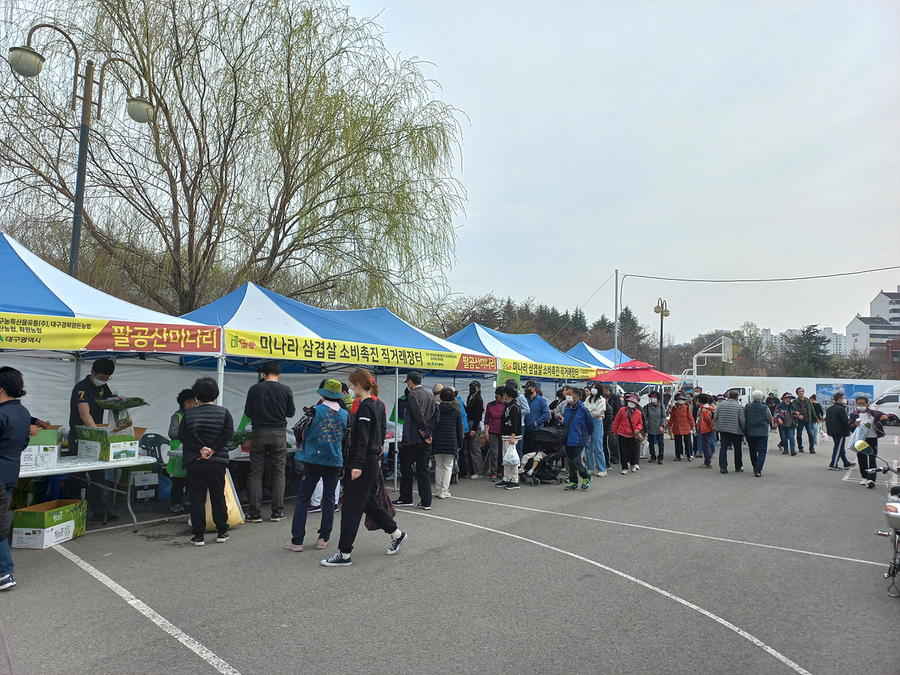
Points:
x=15 y=425
x=270 y=404
x=471 y=452
x=837 y=425
x=362 y=470
x=204 y=433
x=446 y=438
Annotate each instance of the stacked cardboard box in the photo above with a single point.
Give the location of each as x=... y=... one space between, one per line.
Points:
x=43 y=448
x=96 y=443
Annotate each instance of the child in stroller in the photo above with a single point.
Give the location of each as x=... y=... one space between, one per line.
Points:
x=542 y=465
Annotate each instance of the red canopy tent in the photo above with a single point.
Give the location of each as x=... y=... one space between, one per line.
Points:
x=634 y=371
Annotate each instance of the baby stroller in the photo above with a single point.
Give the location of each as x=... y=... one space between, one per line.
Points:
x=549 y=469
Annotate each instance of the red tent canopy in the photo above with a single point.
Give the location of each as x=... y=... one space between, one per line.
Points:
x=634 y=371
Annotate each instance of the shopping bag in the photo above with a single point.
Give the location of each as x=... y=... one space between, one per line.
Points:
x=235 y=512
x=858 y=440
x=511 y=455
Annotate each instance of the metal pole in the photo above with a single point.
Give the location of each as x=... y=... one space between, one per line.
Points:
x=660 y=342
x=220 y=378
x=83 y=140
x=396 y=427
x=616 y=328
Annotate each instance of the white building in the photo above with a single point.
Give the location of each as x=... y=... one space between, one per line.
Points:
x=865 y=332
x=837 y=342
x=887 y=306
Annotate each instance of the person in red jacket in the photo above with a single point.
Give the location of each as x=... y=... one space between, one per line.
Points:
x=681 y=424
x=705 y=420
x=628 y=426
x=492 y=414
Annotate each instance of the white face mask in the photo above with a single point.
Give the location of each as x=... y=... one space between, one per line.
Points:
x=568 y=399
x=97 y=383
x=593 y=392
x=862 y=408
x=632 y=404
x=654 y=401
x=678 y=402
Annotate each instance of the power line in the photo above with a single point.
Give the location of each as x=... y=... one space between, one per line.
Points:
x=582 y=306
x=762 y=281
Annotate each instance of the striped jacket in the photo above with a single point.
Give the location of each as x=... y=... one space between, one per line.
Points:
x=729 y=417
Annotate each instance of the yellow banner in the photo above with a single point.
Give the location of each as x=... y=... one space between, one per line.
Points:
x=548 y=370
x=30 y=331
x=267 y=345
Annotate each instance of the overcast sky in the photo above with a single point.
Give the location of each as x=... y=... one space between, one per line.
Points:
x=685 y=139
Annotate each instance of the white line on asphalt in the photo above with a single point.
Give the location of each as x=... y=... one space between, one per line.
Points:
x=163 y=623
x=659 y=529
x=718 y=619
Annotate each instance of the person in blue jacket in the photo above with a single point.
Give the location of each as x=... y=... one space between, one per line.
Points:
x=580 y=425
x=323 y=458
x=15 y=427
x=536 y=415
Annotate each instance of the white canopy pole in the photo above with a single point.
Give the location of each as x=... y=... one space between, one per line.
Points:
x=220 y=378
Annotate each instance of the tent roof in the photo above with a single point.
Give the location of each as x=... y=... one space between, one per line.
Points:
x=41 y=289
x=596 y=357
x=255 y=309
x=527 y=347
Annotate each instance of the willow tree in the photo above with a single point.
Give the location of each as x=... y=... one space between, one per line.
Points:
x=288 y=148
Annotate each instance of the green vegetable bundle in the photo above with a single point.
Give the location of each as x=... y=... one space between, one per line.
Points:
x=238 y=439
x=121 y=402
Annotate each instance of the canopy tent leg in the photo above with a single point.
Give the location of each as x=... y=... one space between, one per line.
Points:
x=396 y=423
x=220 y=378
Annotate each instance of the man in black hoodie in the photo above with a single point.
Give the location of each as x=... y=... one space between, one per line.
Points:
x=472 y=444
x=204 y=433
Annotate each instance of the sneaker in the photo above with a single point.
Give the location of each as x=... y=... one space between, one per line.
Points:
x=678 y=459
x=723 y=470
x=337 y=560
x=799 y=449
x=756 y=474
x=705 y=466
x=864 y=481
x=652 y=459
x=811 y=451
x=850 y=465
x=423 y=507
x=475 y=476
x=401 y=502
x=690 y=458
x=395 y=543
x=624 y=472
x=321 y=544
x=277 y=516
x=785 y=452
x=635 y=467
x=794 y=454
x=314 y=509
x=442 y=495
x=291 y=546
x=255 y=517
x=780 y=447
x=835 y=468
x=512 y=486
x=572 y=486
x=502 y=483
x=739 y=471
x=871 y=484
x=494 y=477
x=586 y=483
x=7 y=582
x=601 y=474
x=197 y=540
x=660 y=460
x=222 y=537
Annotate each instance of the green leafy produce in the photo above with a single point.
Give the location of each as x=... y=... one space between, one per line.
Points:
x=121 y=402
x=238 y=439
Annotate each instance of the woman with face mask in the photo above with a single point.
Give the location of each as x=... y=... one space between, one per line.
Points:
x=628 y=426
x=681 y=424
x=865 y=416
x=596 y=406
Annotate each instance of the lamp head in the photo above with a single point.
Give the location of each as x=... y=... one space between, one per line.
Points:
x=140 y=109
x=25 y=61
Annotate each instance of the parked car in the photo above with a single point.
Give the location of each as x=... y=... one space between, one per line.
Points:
x=889 y=404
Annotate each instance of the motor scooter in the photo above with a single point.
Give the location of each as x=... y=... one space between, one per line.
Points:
x=892 y=517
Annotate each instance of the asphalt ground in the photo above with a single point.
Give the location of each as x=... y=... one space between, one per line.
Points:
x=670 y=570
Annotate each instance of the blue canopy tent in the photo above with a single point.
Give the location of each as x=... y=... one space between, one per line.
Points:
x=527 y=354
x=606 y=359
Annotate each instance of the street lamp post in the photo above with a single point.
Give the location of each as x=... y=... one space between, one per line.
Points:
x=27 y=62
x=663 y=311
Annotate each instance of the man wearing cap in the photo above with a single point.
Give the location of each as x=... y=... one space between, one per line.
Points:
x=269 y=405
x=730 y=420
x=784 y=419
x=84 y=411
x=472 y=446
x=418 y=422
x=655 y=426
x=536 y=415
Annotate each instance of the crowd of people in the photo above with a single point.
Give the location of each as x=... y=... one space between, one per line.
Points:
x=584 y=431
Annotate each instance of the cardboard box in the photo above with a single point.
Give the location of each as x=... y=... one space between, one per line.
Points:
x=144 y=478
x=145 y=494
x=96 y=443
x=50 y=436
x=44 y=525
x=39 y=455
